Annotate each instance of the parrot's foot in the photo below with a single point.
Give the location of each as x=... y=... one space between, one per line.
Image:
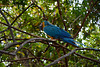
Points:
x=53 y=39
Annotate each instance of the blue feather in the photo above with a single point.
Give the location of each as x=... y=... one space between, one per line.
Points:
x=71 y=41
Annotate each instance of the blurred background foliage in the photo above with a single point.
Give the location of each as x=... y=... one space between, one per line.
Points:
x=30 y=20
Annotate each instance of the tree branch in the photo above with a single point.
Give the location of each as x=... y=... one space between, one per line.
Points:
x=47 y=48
x=8 y=14
x=57 y=46
x=19 y=30
x=12 y=39
x=3 y=30
x=6 y=52
x=44 y=17
x=87 y=58
x=33 y=39
x=73 y=51
x=11 y=44
x=22 y=59
x=61 y=15
x=8 y=26
x=81 y=24
x=17 y=16
x=29 y=51
x=84 y=20
x=22 y=13
x=60 y=46
x=66 y=58
x=77 y=18
x=36 y=40
x=56 y=61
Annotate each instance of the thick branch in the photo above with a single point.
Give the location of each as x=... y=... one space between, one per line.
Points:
x=66 y=58
x=11 y=44
x=73 y=51
x=11 y=39
x=58 y=46
x=6 y=52
x=22 y=59
x=15 y=43
x=33 y=39
x=81 y=55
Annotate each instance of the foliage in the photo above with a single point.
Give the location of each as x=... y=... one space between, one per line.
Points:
x=82 y=16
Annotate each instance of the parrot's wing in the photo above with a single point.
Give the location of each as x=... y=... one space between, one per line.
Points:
x=65 y=34
x=52 y=31
x=56 y=32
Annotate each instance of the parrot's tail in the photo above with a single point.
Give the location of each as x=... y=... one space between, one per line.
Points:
x=71 y=41
x=84 y=45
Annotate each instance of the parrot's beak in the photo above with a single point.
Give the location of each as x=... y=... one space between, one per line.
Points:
x=42 y=25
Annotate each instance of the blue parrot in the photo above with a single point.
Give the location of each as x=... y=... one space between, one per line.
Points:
x=58 y=33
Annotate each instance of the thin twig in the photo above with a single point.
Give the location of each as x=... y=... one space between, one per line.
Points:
x=44 y=17
x=56 y=61
x=29 y=51
x=3 y=30
x=81 y=24
x=58 y=3
x=11 y=32
x=8 y=14
x=47 y=48
x=22 y=13
x=77 y=18
x=19 y=30
x=85 y=19
x=87 y=58
x=38 y=59
x=13 y=44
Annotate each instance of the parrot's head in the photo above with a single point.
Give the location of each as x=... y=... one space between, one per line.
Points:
x=43 y=24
